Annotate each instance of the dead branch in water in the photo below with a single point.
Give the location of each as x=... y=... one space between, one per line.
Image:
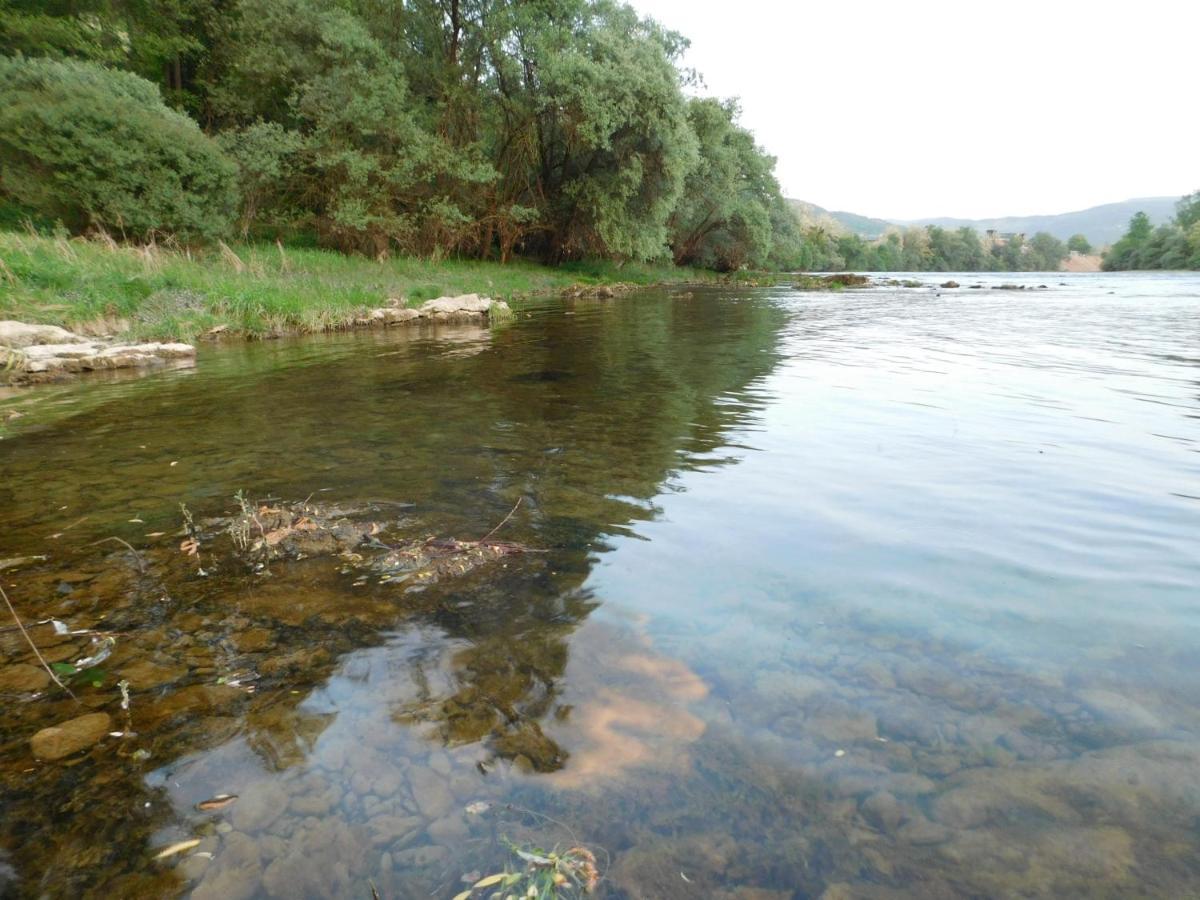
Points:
x=141 y=563
x=501 y=525
x=59 y=534
x=33 y=646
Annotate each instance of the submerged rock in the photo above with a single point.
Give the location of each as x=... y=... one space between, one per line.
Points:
x=1122 y=711
x=430 y=792
x=829 y=282
x=598 y=292
x=23 y=679
x=883 y=810
x=144 y=675
x=421 y=857
x=71 y=736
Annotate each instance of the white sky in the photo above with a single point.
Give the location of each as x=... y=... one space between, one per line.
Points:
x=918 y=108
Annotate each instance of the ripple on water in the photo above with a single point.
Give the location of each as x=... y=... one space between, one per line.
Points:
x=858 y=595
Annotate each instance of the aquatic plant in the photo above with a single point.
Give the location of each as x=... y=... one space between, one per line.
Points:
x=540 y=875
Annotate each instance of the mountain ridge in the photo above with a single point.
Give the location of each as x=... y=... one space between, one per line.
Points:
x=1101 y=224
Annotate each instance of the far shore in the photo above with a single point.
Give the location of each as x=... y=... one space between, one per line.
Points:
x=1082 y=262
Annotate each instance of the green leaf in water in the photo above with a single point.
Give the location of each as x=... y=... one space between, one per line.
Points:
x=62 y=668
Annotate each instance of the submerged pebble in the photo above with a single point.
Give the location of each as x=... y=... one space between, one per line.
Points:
x=71 y=736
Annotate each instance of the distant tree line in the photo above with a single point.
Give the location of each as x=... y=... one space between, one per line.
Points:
x=932 y=249
x=558 y=129
x=1175 y=245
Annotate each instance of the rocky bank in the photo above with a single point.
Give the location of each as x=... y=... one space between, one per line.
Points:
x=47 y=352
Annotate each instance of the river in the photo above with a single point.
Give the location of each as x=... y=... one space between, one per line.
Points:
x=873 y=594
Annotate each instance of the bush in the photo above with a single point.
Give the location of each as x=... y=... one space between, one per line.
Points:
x=96 y=147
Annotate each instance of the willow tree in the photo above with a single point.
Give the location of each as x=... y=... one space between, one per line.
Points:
x=724 y=218
x=360 y=168
x=97 y=148
x=591 y=127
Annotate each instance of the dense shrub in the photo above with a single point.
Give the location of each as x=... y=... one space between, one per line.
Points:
x=97 y=147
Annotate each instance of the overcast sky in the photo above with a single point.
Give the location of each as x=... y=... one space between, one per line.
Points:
x=914 y=108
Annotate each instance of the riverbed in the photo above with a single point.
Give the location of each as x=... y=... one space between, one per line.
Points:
x=873 y=593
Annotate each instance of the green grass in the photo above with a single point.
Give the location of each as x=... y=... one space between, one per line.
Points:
x=257 y=290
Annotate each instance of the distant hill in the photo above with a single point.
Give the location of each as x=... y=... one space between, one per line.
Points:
x=1100 y=224
x=838 y=222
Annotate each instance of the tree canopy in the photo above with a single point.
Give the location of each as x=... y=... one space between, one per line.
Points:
x=94 y=147
x=1172 y=246
x=555 y=128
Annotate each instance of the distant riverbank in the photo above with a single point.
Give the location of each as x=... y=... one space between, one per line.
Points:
x=259 y=290
x=1083 y=262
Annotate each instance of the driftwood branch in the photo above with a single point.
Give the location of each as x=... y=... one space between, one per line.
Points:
x=502 y=521
x=33 y=646
x=141 y=563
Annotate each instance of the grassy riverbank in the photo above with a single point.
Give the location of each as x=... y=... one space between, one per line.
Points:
x=255 y=289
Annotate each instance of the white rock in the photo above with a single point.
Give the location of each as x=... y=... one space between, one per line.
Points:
x=91 y=356
x=466 y=303
x=22 y=334
x=398 y=316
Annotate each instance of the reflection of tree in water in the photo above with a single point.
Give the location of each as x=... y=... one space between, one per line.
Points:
x=507 y=677
x=586 y=418
x=600 y=413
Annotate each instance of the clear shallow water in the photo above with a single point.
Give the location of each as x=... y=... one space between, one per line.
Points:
x=871 y=594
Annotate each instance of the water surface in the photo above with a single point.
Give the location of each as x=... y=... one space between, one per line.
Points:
x=886 y=593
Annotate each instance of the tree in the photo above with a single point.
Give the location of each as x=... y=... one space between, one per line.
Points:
x=1187 y=211
x=1046 y=252
x=1125 y=253
x=917 y=253
x=556 y=128
x=723 y=218
x=600 y=96
x=164 y=41
x=1077 y=243
x=98 y=148
x=314 y=86
x=1193 y=239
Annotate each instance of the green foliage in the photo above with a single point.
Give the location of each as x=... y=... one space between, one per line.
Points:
x=932 y=249
x=1174 y=246
x=1047 y=252
x=724 y=220
x=95 y=147
x=334 y=141
x=57 y=30
x=267 y=156
x=485 y=128
x=259 y=289
x=1187 y=210
x=540 y=875
x=1079 y=244
x=612 y=136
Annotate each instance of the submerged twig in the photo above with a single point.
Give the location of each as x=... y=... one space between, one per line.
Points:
x=33 y=646
x=502 y=521
x=59 y=534
x=141 y=563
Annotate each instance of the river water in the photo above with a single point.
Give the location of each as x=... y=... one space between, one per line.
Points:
x=874 y=594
